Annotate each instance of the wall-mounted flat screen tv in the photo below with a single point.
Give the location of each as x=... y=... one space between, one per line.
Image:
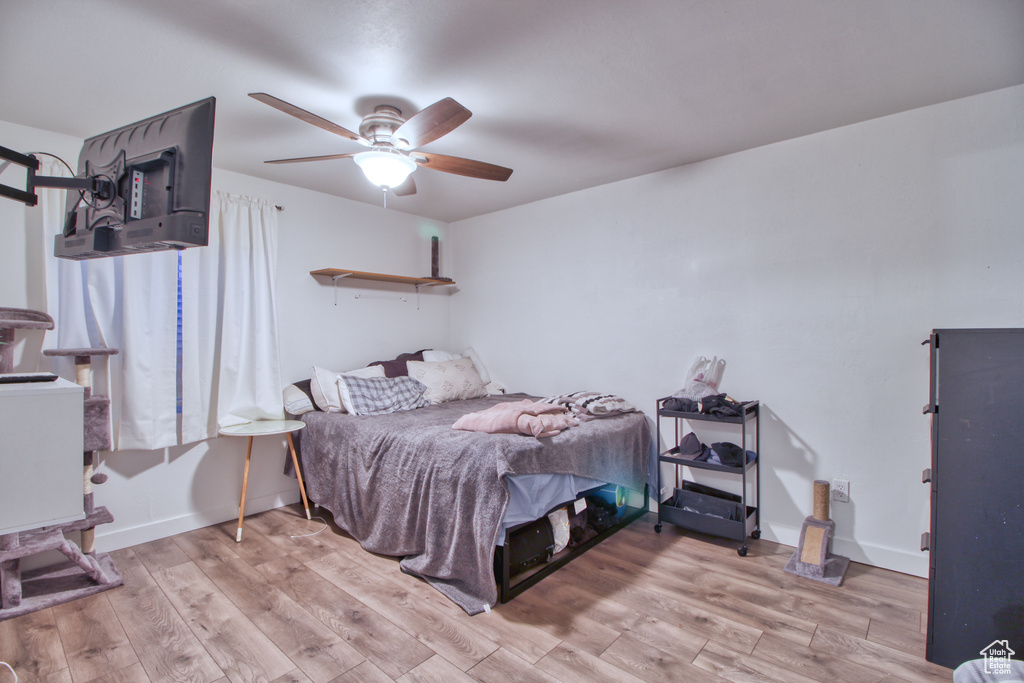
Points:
x=155 y=187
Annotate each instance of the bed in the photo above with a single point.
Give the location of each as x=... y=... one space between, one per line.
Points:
x=408 y=485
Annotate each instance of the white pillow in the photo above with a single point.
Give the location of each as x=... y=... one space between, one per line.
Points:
x=436 y=355
x=478 y=364
x=449 y=380
x=324 y=386
x=296 y=401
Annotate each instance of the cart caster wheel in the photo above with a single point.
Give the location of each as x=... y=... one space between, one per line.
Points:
x=755 y=534
x=657 y=528
x=742 y=550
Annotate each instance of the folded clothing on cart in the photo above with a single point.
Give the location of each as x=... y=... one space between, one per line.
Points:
x=720 y=453
x=721 y=405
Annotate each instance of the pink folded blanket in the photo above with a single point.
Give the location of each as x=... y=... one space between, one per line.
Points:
x=518 y=417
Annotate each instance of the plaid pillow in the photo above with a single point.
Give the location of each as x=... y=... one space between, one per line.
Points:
x=380 y=395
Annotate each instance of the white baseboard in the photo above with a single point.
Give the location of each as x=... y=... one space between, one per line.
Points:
x=914 y=563
x=152 y=531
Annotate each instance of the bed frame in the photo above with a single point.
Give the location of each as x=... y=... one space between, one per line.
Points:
x=477 y=576
x=511 y=586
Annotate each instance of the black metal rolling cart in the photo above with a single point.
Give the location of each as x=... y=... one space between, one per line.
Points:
x=705 y=509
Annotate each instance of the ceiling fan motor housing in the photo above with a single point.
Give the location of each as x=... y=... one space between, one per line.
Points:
x=379 y=126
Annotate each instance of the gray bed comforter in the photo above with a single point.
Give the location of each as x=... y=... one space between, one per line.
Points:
x=409 y=485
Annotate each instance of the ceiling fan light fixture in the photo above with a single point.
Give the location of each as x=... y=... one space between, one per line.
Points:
x=385 y=169
x=390 y=139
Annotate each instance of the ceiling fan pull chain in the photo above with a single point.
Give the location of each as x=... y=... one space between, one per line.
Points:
x=384 y=189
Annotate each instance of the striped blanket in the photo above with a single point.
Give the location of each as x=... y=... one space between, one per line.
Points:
x=588 y=405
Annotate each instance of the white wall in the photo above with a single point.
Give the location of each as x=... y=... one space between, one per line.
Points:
x=153 y=494
x=156 y=494
x=21 y=235
x=322 y=231
x=816 y=267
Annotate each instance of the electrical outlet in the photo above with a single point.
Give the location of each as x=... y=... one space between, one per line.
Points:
x=841 y=490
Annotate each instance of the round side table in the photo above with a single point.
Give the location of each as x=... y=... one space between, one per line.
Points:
x=266 y=428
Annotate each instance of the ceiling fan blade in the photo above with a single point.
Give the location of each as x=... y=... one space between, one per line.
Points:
x=407 y=188
x=440 y=118
x=460 y=166
x=308 y=117
x=322 y=158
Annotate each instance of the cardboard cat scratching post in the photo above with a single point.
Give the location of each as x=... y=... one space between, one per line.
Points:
x=813 y=558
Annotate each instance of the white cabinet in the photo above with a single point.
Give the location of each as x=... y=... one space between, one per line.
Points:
x=40 y=454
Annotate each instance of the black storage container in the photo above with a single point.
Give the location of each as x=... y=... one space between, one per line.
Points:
x=530 y=545
x=704 y=500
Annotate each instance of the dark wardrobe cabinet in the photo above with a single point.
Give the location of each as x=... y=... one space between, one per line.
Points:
x=976 y=541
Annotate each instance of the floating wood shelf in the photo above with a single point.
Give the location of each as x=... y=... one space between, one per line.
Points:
x=380 y=277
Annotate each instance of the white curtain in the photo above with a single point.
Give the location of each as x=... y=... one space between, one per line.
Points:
x=125 y=303
x=229 y=313
x=231 y=368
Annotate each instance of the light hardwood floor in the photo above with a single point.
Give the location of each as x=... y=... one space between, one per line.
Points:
x=640 y=607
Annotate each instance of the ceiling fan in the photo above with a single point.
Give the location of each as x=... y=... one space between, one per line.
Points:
x=393 y=140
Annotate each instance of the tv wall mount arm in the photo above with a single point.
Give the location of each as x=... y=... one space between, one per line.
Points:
x=101 y=187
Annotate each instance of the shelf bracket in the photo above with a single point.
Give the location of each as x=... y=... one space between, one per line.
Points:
x=334 y=279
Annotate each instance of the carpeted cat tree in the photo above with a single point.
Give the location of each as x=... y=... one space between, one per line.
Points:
x=813 y=558
x=86 y=572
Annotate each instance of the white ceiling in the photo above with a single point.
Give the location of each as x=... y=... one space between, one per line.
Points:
x=568 y=93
